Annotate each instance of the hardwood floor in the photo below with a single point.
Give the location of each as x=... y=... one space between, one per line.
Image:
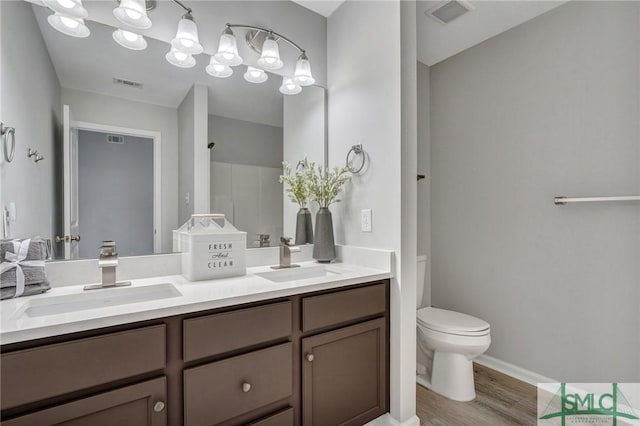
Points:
x=500 y=400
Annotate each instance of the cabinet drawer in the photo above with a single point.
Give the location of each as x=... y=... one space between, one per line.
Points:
x=220 y=333
x=47 y=371
x=133 y=405
x=283 y=418
x=214 y=392
x=343 y=306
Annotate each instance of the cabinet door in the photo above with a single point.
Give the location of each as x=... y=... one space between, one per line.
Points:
x=344 y=375
x=142 y=404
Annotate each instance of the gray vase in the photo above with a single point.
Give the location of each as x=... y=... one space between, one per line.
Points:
x=324 y=248
x=304 y=227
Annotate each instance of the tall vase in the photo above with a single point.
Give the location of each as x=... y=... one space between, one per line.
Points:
x=304 y=227
x=324 y=248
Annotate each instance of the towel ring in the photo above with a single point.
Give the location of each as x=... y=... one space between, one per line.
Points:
x=5 y=132
x=356 y=150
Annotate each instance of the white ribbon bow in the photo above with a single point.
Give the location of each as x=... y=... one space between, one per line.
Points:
x=17 y=260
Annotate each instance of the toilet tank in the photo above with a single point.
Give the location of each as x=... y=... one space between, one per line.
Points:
x=420 y=284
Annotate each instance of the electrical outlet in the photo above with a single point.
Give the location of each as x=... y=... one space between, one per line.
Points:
x=365 y=221
x=187 y=198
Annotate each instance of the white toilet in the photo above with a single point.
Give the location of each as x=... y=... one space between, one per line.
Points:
x=448 y=341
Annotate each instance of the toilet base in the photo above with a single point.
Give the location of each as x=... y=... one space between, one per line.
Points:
x=452 y=377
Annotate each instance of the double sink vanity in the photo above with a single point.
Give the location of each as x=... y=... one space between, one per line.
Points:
x=303 y=346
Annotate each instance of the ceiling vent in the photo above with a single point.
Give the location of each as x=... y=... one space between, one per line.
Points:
x=446 y=11
x=127 y=83
x=119 y=139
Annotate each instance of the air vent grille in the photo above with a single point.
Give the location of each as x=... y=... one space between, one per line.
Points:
x=446 y=11
x=119 y=139
x=127 y=83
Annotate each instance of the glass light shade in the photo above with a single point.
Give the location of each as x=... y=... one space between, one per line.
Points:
x=133 y=13
x=228 y=49
x=73 y=27
x=255 y=75
x=217 y=69
x=70 y=8
x=289 y=87
x=186 y=39
x=129 y=40
x=270 y=58
x=180 y=59
x=303 y=76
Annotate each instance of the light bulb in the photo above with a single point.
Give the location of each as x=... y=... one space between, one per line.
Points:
x=270 y=58
x=302 y=75
x=255 y=75
x=133 y=13
x=73 y=27
x=217 y=69
x=69 y=8
x=228 y=49
x=129 y=40
x=186 y=39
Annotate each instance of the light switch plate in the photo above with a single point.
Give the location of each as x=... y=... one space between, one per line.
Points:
x=365 y=221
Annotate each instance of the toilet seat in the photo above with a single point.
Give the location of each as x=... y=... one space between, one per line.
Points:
x=450 y=322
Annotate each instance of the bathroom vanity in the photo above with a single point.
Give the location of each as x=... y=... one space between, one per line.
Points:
x=312 y=357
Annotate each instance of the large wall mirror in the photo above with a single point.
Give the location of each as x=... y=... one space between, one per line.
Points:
x=133 y=145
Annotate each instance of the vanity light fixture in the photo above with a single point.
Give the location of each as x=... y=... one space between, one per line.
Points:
x=270 y=58
x=216 y=69
x=133 y=13
x=303 y=75
x=186 y=39
x=255 y=75
x=129 y=40
x=68 y=8
x=289 y=87
x=228 y=49
x=74 y=27
x=180 y=59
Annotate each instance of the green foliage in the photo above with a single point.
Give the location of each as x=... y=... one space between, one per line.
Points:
x=325 y=184
x=297 y=182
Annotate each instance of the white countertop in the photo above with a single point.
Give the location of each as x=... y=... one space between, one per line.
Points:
x=195 y=296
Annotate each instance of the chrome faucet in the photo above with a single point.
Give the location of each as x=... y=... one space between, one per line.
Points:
x=285 y=254
x=108 y=262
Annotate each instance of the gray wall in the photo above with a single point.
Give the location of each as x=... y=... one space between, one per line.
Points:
x=30 y=102
x=120 y=112
x=185 y=154
x=424 y=168
x=115 y=193
x=244 y=142
x=548 y=108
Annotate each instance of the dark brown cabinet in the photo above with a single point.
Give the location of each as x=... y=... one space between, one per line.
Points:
x=315 y=359
x=142 y=404
x=344 y=375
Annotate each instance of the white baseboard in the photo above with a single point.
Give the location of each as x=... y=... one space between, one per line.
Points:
x=387 y=420
x=514 y=371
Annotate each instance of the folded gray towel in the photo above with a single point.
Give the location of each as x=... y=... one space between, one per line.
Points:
x=29 y=290
x=38 y=250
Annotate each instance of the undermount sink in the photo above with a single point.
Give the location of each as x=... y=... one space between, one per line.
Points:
x=96 y=299
x=296 y=274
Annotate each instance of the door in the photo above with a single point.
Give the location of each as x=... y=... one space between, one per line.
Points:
x=142 y=404
x=344 y=375
x=71 y=236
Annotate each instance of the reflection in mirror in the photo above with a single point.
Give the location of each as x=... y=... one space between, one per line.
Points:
x=125 y=134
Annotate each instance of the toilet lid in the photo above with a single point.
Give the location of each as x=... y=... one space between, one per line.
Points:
x=451 y=322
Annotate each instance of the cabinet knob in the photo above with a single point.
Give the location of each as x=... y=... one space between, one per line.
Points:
x=246 y=387
x=310 y=357
x=158 y=406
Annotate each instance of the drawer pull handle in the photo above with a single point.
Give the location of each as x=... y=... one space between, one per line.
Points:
x=246 y=387
x=158 y=406
x=310 y=357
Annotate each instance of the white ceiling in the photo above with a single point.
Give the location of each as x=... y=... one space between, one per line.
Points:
x=437 y=42
x=322 y=7
x=90 y=64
